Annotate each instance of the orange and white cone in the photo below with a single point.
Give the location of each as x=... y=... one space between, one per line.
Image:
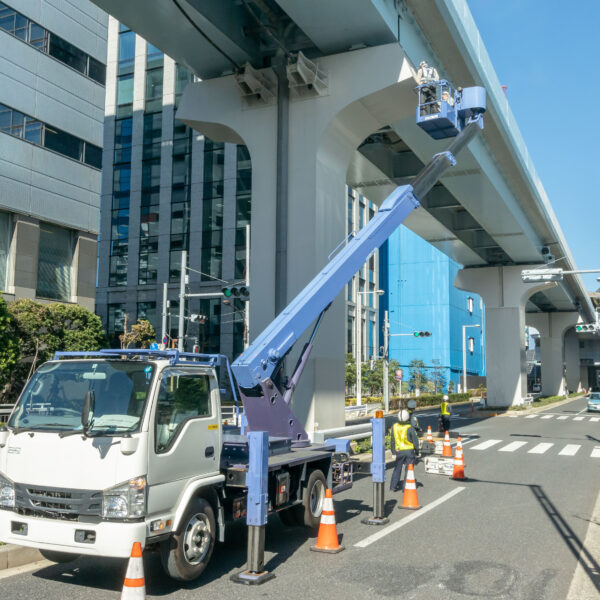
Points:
x=429 y=436
x=459 y=465
x=410 y=499
x=447 y=446
x=327 y=539
x=134 y=587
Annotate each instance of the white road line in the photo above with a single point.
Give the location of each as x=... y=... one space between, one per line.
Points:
x=486 y=445
x=531 y=416
x=569 y=450
x=415 y=515
x=512 y=447
x=578 y=418
x=594 y=419
x=595 y=452
x=582 y=411
x=562 y=418
x=547 y=416
x=469 y=440
x=541 y=448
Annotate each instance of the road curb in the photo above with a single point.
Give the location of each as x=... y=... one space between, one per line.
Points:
x=16 y=556
x=538 y=409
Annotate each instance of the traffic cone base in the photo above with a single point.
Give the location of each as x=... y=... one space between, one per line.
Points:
x=327 y=538
x=447 y=446
x=410 y=501
x=134 y=586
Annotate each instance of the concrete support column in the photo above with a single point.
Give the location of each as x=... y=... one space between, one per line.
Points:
x=24 y=256
x=552 y=328
x=573 y=362
x=84 y=270
x=505 y=296
x=367 y=89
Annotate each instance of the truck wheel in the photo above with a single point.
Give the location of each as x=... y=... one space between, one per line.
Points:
x=59 y=557
x=186 y=553
x=309 y=512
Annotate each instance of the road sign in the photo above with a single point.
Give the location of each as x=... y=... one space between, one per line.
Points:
x=153 y=346
x=398 y=374
x=165 y=340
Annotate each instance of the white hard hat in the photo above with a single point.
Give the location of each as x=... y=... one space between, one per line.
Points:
x=403 y=416
x=445 y=396
x=423 y=62
x=412 y=404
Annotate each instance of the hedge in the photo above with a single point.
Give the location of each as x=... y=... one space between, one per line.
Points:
x=423 y=400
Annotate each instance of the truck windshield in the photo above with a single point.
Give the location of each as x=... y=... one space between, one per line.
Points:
x=53 y=398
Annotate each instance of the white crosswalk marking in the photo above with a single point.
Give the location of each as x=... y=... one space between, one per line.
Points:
x=578 y=418
x=569 y=450
x=485 y=445
x=595 y=452
x=547 y=416
x=531 y=416
x=562 y=418
x=595 y=419
x=511 y=447
x=541 y=448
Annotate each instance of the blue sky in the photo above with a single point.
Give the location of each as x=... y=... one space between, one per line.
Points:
x=548 y=54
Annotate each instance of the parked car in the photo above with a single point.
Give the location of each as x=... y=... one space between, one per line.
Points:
x=593 y=399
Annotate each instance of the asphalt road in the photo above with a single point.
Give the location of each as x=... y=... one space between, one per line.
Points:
x=513 y=531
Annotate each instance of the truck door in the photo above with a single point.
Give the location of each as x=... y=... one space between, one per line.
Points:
x=187 y=435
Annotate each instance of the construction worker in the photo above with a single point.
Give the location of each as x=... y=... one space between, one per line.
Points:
x=427 y=74
x=405 y=445
x=445 y=413
x=412 y=405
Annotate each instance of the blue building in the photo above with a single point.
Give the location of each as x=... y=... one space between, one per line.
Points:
x=421 y=296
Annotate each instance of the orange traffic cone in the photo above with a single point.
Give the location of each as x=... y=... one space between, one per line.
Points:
x=134 y=587
x=459 y=465
x=327 y=539
x=447 y=446
x=409 y=498
x=429 y=436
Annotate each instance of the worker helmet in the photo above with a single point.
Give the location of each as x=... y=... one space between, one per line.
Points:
x=403 y=416
x=446 y=397
x=423 y=63
x=412 y=404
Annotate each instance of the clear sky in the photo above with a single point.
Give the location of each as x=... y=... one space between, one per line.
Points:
x=548 y=54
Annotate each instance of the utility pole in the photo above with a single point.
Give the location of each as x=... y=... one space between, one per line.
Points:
x=247 y=307
x=182 y=279
x=386 y=380
x=358 y=319
x=464 y=349
x=165 y=310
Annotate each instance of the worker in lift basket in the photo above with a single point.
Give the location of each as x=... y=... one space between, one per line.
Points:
x=427 y=74
x=405 y=445
x=412 y=405
x=445 y=414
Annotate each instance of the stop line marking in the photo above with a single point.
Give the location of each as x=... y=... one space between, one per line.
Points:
x=387 y=530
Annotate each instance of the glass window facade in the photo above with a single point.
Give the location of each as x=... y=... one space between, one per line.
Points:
x=43 y=40
x=28 y=128
x=115 y=323
x=55 y=261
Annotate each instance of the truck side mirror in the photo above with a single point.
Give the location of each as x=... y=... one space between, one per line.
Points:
x=89 y=404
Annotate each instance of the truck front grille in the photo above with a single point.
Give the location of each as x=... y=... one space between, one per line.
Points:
x=58 y=502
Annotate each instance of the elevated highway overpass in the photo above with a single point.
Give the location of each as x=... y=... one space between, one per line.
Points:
x=351 y=119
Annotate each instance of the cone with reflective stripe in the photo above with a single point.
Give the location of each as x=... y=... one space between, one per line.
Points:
x=447 y=446
x=410 y=499
x=429 y=435
x=134 y=587
x=459 y=462
x=327 y=539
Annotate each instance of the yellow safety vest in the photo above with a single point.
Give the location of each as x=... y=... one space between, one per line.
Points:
x=400 y=437
x=444 y=408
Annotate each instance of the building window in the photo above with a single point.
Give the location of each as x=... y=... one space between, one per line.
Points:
x=115 y=323
x=471 y=345
x=147 y=312
x=148 y=261
x=55 y=260
x=5 y=226
x=43 y=40
x=470 y=305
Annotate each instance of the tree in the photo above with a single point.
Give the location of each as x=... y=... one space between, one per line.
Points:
x=141 y=335
x=450 y=386
x=417 y=375
x=9 y=347
x=350 y=371
x=438 y=379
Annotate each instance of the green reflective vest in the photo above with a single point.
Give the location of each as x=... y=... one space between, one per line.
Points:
x=444 y=408
x=400 y=437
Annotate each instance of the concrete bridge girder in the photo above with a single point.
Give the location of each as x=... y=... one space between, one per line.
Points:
x=368 y=89
x=505 y=296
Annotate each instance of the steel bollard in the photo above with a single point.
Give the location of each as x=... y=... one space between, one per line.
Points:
x=378 y=472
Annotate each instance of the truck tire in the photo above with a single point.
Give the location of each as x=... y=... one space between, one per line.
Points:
x=59 y=557
x=187 y=552
x=314 y=496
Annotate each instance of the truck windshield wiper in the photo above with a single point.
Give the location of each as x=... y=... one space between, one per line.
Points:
x=64 y=434
x=110 y=430
x=17 y=430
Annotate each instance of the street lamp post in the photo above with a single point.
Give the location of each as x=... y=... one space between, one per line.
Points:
x=464 y=330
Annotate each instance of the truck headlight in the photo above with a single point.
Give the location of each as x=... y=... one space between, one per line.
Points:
x=126 y=500
x=7 y=492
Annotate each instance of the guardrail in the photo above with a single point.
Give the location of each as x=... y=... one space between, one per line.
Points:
x=5 y=410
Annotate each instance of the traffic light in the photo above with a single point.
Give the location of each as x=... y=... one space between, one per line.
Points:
x=237 y=291
x=586 y=328
x=421 y=333
x=195 y=318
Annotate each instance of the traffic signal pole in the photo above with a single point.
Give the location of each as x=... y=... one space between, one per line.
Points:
x=386 y=363
x=182 y=278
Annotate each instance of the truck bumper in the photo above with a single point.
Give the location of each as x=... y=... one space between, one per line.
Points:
x=109 y=538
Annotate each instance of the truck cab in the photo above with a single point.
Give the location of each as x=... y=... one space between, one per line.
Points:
x=77 y=480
